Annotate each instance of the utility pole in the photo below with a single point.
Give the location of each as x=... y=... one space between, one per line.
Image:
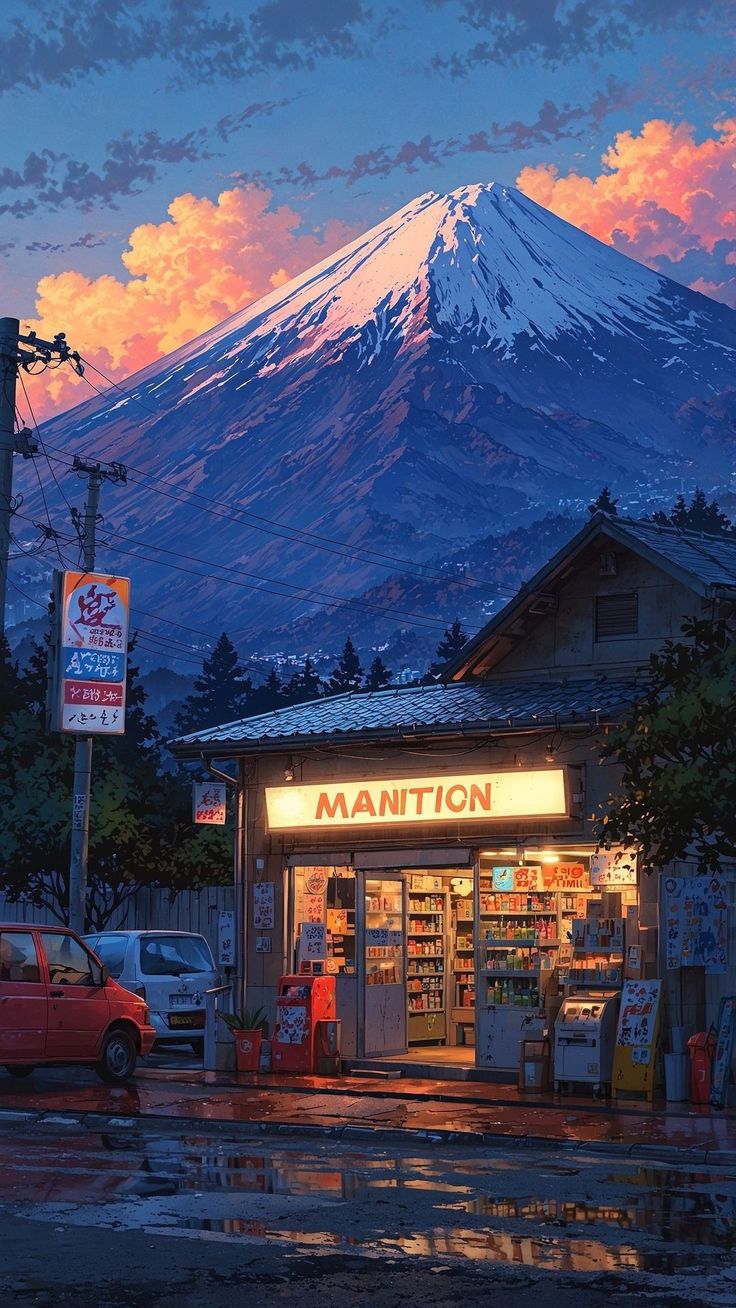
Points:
x=86 y=528
x=16 y=352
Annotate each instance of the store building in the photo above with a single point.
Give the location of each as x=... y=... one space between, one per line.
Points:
x=431 y=847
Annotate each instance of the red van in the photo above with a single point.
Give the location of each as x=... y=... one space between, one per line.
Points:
x=58 y=1004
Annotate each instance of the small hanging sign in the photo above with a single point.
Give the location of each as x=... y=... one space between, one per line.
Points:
x=209 y=803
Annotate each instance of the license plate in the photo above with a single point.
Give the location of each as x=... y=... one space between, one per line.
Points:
x=185 y=1019
x=183 y=1001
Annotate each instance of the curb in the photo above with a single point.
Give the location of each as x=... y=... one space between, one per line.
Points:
x=375 y=1090
x=375 y=1135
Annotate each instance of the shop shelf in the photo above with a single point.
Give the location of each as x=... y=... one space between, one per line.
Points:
x=419 y=975
x=513 y=944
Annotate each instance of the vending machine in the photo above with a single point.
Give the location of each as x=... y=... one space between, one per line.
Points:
x=585 y=1038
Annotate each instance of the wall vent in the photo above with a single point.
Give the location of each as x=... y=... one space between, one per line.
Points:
x=616 y=615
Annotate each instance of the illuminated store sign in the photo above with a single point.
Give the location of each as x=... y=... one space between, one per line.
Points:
x=396 y=802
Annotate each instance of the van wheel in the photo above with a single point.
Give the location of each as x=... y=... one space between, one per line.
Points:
x=19 y=1069
x=118 y=1057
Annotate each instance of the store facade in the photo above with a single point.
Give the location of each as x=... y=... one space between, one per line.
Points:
x=434 y=848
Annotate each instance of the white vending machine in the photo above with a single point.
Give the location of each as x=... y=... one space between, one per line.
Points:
x=585 y=1036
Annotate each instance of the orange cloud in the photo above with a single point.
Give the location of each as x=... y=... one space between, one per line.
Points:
x=186 y=274
x=663 y=195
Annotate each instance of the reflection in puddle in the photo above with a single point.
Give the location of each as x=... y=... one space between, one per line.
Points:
x=688 y=1218
x=484 y=1246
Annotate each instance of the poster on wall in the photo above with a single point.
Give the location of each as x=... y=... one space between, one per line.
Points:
x=313 y=908
x=312 y=942
x=694 y=914
x=613 y=867
x=226 y=939
x=264 y=905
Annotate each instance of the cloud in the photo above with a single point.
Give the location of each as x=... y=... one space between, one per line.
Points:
x=552 y=123
x=56 y=180
x=556 y=33
x=202 y=42
x=663 y=198
x=184 y=275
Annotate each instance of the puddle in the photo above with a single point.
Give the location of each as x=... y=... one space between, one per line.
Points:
x=570 y=1254
x=685 y=1218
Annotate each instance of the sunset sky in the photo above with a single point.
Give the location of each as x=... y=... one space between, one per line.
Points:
x=165 y=163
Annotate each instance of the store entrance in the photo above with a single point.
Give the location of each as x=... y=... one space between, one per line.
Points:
x=440 y=965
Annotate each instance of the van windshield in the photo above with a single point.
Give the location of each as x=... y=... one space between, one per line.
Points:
x=174 y=955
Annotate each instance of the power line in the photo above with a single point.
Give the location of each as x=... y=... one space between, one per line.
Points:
x=307 y=596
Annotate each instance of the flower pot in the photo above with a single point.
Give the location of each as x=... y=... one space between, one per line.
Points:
x=247 y=1050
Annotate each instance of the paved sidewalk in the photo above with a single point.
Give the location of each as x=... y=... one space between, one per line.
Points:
x=461 y=1112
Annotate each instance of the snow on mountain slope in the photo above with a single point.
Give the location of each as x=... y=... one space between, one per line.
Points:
x=467 y=364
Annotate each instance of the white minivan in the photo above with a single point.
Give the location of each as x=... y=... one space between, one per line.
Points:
x=171 y=970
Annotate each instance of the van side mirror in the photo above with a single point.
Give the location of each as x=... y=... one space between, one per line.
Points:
x=104 y=975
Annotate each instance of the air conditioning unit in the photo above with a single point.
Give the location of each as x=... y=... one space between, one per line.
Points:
x=608 y=566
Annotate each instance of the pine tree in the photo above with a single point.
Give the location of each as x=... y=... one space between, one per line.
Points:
x=221 y=692
x=449 y=647
x=604 y=503
x=348 y=674
x=378 y=676
x=698 y=515
x=304 y=685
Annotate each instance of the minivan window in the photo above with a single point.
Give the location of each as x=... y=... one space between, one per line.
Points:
x=174 y=955
x=69 y=963
x=112 y=949
x=18 y=961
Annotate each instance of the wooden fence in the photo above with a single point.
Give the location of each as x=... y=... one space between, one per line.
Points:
x=150 y=908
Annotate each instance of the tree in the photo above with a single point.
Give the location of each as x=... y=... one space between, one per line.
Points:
x=698 y=515
x=378 y=676
x=141 y=829
x=604 y=503
x=303 y=685
x=10 y=688
x=221 y=691
x=268 y=696
x=677 y=749
x=449 y=647
x=348 y=674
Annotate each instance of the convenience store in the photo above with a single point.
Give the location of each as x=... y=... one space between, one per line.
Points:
x=442 y=952
x=432 y=846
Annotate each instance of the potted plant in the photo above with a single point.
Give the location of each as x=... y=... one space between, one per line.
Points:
x=248 y=1028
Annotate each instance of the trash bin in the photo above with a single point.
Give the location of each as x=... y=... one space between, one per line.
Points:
x=328 y=1048
x=675 y=1077
x=701 y=1046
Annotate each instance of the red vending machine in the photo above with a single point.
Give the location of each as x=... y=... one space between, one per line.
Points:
x=302 y=1002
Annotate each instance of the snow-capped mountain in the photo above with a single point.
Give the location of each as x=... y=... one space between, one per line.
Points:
x=462 y=368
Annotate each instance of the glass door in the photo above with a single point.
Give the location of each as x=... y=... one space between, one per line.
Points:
x=382 y=957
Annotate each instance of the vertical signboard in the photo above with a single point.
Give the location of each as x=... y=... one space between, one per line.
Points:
x=92 y=654
x=209 y=803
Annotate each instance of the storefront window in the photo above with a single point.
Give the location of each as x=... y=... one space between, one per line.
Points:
x=326 y=896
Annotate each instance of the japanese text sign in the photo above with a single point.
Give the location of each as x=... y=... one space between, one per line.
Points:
x=226 y=939
x=209 y=803
x=264 y=905
x=91 y=660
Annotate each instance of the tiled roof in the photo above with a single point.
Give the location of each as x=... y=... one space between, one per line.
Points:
x=712 y=559
x=426 y=710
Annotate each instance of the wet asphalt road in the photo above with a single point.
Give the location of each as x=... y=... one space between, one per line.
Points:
x=134 y=1217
